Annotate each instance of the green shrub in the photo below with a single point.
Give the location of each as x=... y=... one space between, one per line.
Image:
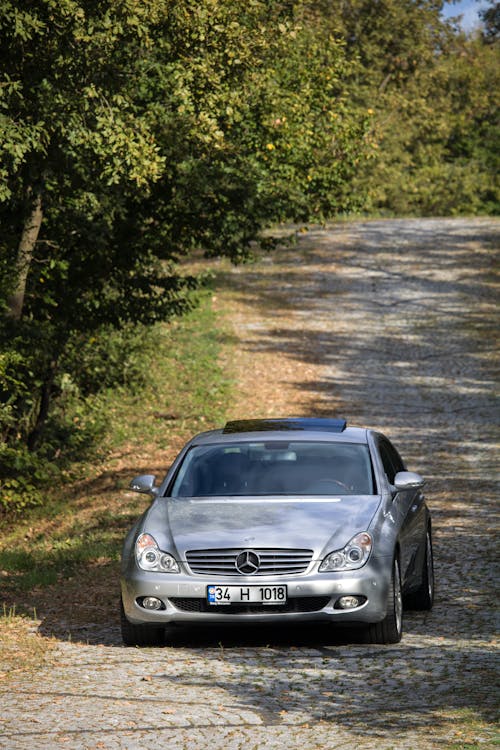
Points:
x=107 y=358
x=23 y=475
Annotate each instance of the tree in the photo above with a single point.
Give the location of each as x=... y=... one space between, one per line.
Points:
x=491 y=20
x=66 y=104
x=433 y=96
x=72 y=140
x=132 y=133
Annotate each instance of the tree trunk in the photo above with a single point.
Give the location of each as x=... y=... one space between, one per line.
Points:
x=29 y=237
x=43 y=410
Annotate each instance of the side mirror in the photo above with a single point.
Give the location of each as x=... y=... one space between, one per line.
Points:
x=145 y=484
x=408 y=480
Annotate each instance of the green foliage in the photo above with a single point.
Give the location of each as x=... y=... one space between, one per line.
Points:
x=108 y=358
x=438 y=138
x=62 y=97
x=185 y=388
x=246 y=101
x=23 y=478
x=491 y=20
x=433 y=96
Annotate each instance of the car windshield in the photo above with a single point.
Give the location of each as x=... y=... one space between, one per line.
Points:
x=275 y=468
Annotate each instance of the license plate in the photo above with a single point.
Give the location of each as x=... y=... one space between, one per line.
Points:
x=220 y=595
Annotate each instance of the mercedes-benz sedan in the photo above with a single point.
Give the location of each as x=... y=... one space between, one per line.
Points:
x=279 y=520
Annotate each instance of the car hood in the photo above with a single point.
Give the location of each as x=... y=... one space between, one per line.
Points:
x=318 y=523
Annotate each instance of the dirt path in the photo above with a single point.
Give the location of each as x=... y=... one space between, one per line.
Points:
x=391 y=324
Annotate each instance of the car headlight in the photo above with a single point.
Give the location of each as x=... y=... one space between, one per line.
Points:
x=150 y=557
x=354 y=555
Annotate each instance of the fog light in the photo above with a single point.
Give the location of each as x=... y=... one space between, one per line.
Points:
x=355 y=554
x=348 y=602
x=151 y=602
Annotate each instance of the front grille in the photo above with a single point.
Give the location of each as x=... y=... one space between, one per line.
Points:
x=278 y=562
x=304 y=604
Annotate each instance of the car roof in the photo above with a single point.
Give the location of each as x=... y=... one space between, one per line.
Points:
x=297 y=428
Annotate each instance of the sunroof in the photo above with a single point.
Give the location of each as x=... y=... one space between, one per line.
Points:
x=314 y=424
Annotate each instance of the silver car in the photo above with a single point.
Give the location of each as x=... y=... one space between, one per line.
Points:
x=279 y=520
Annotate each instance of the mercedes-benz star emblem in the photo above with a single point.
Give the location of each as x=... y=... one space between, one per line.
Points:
x=247 y=563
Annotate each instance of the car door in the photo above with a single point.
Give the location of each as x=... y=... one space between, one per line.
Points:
x=411 y=509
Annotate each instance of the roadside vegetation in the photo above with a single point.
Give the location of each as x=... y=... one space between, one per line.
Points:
x=180 y=388
x=21 y=648
x=183 y=391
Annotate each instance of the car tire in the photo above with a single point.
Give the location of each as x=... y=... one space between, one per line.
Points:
x=140 y=635
x=390 y=629
x=423 y=597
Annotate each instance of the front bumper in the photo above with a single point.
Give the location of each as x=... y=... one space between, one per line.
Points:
x=305 y=593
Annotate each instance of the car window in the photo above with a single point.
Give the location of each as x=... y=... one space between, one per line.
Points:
x=391 y=460
x=396 y=459
x=276 y=467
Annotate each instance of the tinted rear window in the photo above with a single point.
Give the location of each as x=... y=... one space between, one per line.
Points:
x=275 y=468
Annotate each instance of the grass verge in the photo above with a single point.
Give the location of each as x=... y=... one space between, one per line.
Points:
x=62 y=558
x=21 y=646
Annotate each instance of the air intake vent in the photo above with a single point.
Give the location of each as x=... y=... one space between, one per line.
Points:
x=305 y=604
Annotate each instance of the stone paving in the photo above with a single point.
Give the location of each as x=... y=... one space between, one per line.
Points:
x=400 y=318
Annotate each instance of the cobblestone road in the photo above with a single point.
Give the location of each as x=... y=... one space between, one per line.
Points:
x=398 y=317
